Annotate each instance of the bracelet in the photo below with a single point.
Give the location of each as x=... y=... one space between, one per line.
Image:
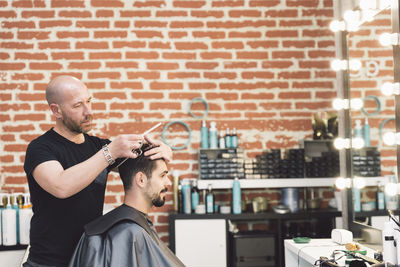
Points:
x=107 y=155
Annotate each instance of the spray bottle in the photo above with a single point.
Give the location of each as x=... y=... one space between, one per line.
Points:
x=213 y=135
x=204 y=135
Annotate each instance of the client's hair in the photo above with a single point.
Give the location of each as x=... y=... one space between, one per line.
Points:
x=132 y=166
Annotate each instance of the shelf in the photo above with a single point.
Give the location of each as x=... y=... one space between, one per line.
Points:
x=280 y=182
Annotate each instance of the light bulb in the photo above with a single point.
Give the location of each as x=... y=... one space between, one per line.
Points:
x=351 y=16
x=387 y=88
x=341 y=143
x=340 y=183
x=339 y=104
x=389 y=138
x=357 y=142
x=356 y=103
x=368 y=15
x=385 y=3
x=337 y=25
x=355 y=64
x=359 y=182
x=391 y=189
x=338 y=64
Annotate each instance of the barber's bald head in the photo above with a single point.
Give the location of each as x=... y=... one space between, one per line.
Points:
x=57 y=87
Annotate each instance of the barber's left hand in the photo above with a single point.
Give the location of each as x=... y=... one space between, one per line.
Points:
x=160 y=150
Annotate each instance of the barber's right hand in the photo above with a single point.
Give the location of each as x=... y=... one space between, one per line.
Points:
x=122 y=145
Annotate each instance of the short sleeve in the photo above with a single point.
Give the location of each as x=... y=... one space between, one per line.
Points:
x=36 y=154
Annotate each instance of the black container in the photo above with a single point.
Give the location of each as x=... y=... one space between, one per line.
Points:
x=252 y=248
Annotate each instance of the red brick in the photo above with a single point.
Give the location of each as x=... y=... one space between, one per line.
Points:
x=130 y=44
x=264 y=3
x=54 y=23
x=189 y=4
x=178 y=55
x=4 y=56
x=241 y=24
x=4 y=96
x=228 y=3
x=110 y=34
x=315 y=105
x=303 y=85
x=165 y=105
x=219 y=75
x=326 y=94
x=252 y=115
x=215 y=55
x=123 y=64
x=147 y=95
x=104 y=13
x=126 y=85
x=304 y=3
x=28 y=137
x=183 y=75
x=240 y=65
x=101 y=75
x=39 y=14
x=314 y=64
x=54 y=45
x=127 y=106
x=150 y=24
x=105 y=55
x=90 y=24
x=67 y=55
x=276 y=64
x=106 y=3
x=190 y=45
x=16 y=45
x=247 y=34
x=257 y=75
x=28 y=76
x=7 y=137
x=171 y=13
x=197 y=86
x=32 y=56
x=294 y=75
x=15 y=180
x=257 y=96
x=282 y=33
x=244 y=13
x=74 y=14
x=227 y=45
x=281 y=13
x=149 y=3
x=69 y=34
x=201 y=65
x=7 y=158
x=6 y=35
x=68 y=3
x=31 y=97
x=110 y=95
x=30 y=117
x=28 y=3
x=45 y=66
x=148 y=34
x=173 y=34
x=257 y=85
x=12 y=66
x=159 y=45
x=84 y=65
x=325 y=44
x=121 y=24
x=288 y=54
x=252 y=55
x=318 y=12
x=162 y=66
x=18 y=24
x=18 y=128
x=294 y=95
x=223 y=96
x=189 y=96
x=42 y=86
x=165 y=85
x=207 y=13
x=186 y=24
x=321 y=53
x=91 y=45
x=19 y=86
x=144 y=75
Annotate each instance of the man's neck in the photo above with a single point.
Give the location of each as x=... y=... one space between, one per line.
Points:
x=136 y=201
x=77 y=138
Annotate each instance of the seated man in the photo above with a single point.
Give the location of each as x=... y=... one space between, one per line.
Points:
x=126 y=235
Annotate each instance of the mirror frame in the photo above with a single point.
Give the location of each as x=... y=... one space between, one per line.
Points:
x=345 y=126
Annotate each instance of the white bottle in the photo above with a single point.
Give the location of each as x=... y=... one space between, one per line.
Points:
x=25 y=216
x=389 y=248
x=221 y=140
x=9 y=223
x=213 y=135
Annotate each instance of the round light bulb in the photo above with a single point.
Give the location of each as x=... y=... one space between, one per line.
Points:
x=341 y=143
x=340 y=183
x=385 y=3
x=387 y=88
x=337 y=104
x=356 y=103
x=338 y=64
x=357 y=142
x=389 y=138
x=385 y=39
x=359 y=182
x=355 y=64
x=391 y=189
x=337 y=25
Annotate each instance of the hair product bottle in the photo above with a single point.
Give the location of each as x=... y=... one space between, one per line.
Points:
x=367 y=135
x=210 y=200
x=228 y=139
x=204 y=135
x=195 y=195
x=25 y=216
x=9 y=223
x=234 y=137
x=213 y=135
x=186 y=195
x=236 y=197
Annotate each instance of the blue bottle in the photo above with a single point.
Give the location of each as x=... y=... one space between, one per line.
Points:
x=366 y=132
x=228 y=139
x=213 y=135
x=234 y=139
x=14 y=206
x=210 y=200
x=204 y=135
x=356 y=199
x=236 y=197
x=186 y=195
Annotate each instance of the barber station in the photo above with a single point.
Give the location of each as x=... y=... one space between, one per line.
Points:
x=218 y=133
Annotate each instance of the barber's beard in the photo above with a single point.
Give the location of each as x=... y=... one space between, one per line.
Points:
x=159 y=201
x=77 y=127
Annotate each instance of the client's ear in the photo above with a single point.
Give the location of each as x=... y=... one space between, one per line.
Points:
x=141 y=179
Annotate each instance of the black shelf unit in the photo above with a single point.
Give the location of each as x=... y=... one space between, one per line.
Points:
x=327 y=216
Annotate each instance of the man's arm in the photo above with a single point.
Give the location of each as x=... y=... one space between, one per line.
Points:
x=52 y=177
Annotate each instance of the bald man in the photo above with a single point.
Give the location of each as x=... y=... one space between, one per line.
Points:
x=67 y=171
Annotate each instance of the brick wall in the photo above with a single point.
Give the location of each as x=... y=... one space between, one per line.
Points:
x=263 y=66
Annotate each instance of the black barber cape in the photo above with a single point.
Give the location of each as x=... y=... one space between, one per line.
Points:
x=122 y=237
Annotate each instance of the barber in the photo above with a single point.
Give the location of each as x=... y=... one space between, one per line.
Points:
x=67 y=170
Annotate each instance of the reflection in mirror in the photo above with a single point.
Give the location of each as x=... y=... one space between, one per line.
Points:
x=374 y=123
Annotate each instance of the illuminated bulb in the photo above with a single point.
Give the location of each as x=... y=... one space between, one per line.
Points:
x=356 y=103
x=338 y=64
x=385 y=3
x=355 y=64
x=341 y=143
x=339 y=104
x=389 y=88
x=391 y=189
x=337 y=25
x=387 y=39
x=351 y=16
x=359 y=182
x=357 y=142
x=397 y=138
x=389 y=138
x=340 y=183
x=368 y=15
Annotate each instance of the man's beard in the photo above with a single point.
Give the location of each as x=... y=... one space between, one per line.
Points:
x=75 y=127
x=159 y=202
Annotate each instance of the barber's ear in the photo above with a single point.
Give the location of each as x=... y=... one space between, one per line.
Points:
x=55 y=108
x=141 y=179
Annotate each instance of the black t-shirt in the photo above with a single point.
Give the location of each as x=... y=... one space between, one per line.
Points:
x=57 y=224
